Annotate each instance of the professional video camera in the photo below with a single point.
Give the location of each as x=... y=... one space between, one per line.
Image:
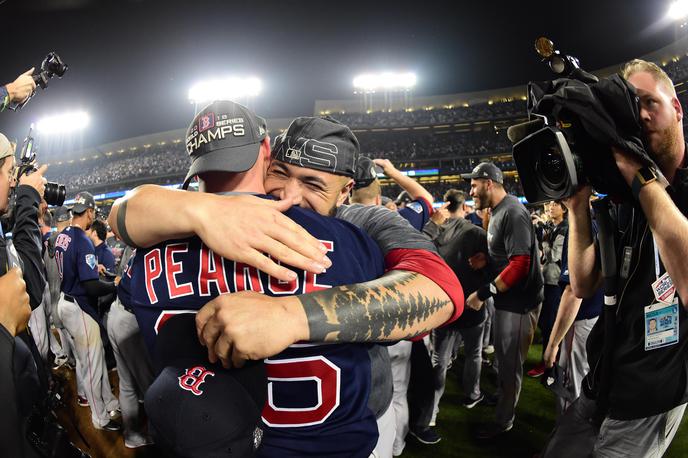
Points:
x=573 y=122
x=51 y=66
x=54 y=193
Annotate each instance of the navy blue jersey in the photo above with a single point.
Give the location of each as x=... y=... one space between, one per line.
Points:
x=124 y=286
x=105 y=257
x=317 y=394
x=417 y=212
x=76 y=262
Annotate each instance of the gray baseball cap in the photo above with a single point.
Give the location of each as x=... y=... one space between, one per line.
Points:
x=62 y=214
x=6 y=148
x=224 y=137
x=485 y=170
x=318 y=143
x=82 y=202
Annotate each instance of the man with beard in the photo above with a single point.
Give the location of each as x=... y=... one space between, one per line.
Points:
x=633 y=415
x=517 y=286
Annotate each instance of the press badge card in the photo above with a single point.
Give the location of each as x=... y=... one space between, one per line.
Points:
x=664 y=289
x=661 y=325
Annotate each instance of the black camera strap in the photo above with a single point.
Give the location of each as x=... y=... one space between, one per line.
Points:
x=606 y=233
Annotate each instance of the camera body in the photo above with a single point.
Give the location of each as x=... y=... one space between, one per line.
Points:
x=51 y=66
x=54 y=193
x=573 y=123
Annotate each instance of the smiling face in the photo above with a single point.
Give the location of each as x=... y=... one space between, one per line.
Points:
x=319 y=191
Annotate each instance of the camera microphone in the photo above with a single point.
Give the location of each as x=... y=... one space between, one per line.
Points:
x=518 y=132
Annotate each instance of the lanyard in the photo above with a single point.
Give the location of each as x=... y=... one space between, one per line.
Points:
x=654 y=244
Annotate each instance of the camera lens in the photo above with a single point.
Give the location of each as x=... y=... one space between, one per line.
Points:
x=54 y=194
x=551 y=167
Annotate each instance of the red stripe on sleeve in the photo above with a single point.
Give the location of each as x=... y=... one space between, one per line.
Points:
x=516 y=270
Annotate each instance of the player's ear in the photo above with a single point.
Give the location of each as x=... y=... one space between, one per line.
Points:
x=345 y=192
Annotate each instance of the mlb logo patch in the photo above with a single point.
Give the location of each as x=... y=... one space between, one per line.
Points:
x=91 y=261
x=207 y=121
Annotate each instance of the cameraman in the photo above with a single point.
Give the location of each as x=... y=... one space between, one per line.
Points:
x=646 y=397
x=16 y=92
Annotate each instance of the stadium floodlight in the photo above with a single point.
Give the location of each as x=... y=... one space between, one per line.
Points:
x=225 y=89
x=678 y=10
x=386 y=81
x=63 y=123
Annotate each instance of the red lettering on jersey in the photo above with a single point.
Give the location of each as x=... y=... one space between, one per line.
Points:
x=152 y=267
x=246 y=278
x=316 y=368
x=63 y=241
x=311 y=278
x=194 y=378
x=282 y=288
x=212 y=271
x=172 y=268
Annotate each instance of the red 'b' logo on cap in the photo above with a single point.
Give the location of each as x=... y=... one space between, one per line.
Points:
x=206 y=121
x=194 y=378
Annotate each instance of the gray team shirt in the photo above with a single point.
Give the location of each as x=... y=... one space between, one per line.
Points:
x=510 y=233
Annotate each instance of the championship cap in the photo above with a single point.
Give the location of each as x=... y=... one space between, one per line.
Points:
x=6 y=148
x=365 y=172
x=224 y=137
x=62 y=214
x=82 y=202
x=198 y=409
x=486 y=170
x=320 y=143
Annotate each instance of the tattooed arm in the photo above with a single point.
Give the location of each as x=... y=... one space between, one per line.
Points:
x=251 y=326
x=397 y=306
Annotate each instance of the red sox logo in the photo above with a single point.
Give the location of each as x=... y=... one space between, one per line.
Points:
x=194 y=378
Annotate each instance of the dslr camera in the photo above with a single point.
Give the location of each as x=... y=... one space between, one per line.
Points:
x=573 y=122
x=54 y=193
x=51 y=66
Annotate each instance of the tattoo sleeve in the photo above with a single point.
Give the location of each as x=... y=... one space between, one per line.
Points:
x=389 y=308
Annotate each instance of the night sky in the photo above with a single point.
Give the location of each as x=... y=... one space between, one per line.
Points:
x=132 y=62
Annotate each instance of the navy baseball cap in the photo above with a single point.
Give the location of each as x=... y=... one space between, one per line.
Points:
x=224 y=137
x=82 y=202
x=320 y=143
x=485 y=170
x=62 y=214
x=365 y=172
x=199 y=409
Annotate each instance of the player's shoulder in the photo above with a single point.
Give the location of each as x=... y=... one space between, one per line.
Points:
x=312 y=221
x=419 y=206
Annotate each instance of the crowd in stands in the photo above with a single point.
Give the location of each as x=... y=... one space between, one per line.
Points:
x=437 y=115
x=411 y=147
x=156 y=161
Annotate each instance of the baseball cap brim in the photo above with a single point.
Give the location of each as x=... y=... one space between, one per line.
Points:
x=239 y=159
x=80 y=208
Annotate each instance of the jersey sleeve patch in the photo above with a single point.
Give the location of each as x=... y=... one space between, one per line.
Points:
x=91 y=261
x=415 y=206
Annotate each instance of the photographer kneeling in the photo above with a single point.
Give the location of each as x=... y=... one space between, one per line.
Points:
x=641 y=408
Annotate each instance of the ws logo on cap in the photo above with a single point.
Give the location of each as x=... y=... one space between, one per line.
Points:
x=193 y=378
x=308 y=153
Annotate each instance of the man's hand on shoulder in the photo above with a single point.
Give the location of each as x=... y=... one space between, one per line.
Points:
x=249 y=326
x=243 y=228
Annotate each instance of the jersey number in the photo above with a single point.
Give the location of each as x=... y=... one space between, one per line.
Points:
x=59 y=256
x=314 y=368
